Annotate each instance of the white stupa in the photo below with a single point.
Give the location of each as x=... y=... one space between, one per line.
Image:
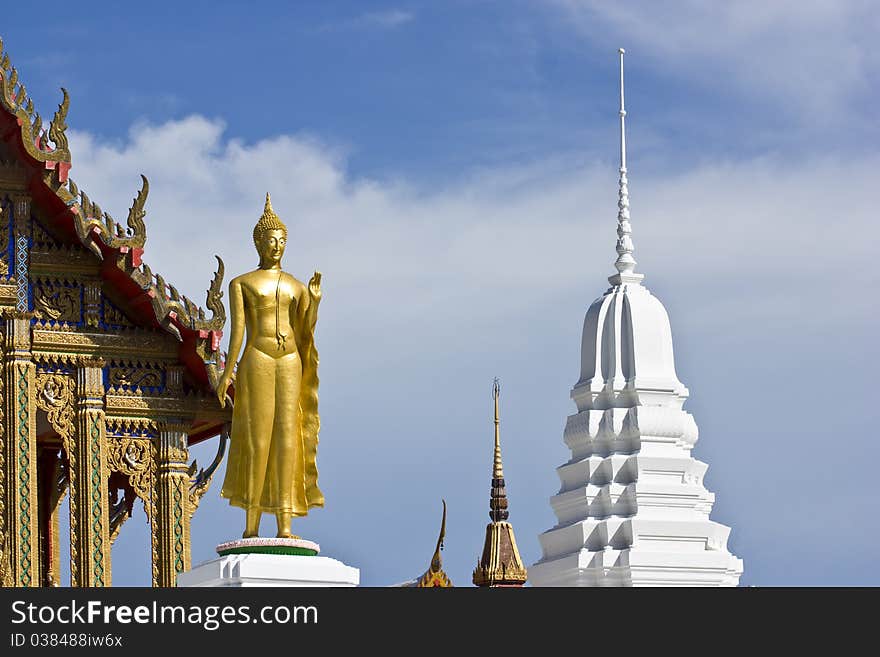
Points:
x=632 y=509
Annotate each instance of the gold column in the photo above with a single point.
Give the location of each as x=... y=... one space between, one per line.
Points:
x=20 y=450
x=172 y=491
x=22 y=526
x=5 y=561
x=93 y=539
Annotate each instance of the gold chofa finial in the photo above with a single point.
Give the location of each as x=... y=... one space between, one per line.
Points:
x=268 y=221
x=436 y=561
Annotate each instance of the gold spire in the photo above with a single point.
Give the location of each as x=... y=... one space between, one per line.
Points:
x=500 y=564
x=497 y=470
x=498 y=500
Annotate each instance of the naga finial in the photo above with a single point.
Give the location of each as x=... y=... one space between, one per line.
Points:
x=137 y=212
x=214 y=300
x=58 y=126
x=436 y=562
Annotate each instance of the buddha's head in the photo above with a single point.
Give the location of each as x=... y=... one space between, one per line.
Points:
x=270 y=237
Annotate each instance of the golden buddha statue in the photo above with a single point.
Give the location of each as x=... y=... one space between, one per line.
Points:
x=271 y=466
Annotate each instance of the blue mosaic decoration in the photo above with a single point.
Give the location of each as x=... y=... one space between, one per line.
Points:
x=139 y=432
x=22 y=302
x=55 y=368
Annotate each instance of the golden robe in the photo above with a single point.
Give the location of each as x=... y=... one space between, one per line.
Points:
x=290 y=475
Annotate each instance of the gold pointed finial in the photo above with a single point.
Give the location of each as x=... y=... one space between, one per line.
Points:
x=498 y=499
x=268 y=208
x=497 y=471
x=436 y=562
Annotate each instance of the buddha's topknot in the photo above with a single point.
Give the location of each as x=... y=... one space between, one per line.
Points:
x=268 y=221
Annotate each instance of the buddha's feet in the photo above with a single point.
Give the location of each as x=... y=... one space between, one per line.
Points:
x=286 y=535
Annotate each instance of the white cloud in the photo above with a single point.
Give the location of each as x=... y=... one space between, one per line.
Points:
x=391 y=18
x=811 y=58
x=522 y=237
x=377 y=20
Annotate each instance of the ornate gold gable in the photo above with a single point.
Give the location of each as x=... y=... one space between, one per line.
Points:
x=106 y=371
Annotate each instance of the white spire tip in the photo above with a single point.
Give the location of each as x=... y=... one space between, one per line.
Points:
x=621 y=50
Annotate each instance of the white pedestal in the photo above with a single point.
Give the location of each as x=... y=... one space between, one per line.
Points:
x=270 y=570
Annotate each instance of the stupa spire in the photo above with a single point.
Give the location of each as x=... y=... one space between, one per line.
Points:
x=498 y=501
x=625 y=263
x=500 y=564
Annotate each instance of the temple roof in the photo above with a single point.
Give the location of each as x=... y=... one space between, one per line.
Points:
x=45 y=159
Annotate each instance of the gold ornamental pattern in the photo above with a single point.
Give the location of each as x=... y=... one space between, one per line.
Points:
x=135 y=375
x=133 y=457
x=56 y=395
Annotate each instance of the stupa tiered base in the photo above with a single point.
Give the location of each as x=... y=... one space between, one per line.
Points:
x=270 y=562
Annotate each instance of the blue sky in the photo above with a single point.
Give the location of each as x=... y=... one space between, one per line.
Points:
x=451 y=168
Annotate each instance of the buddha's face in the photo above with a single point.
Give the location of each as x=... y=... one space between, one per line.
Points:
x=271 y=247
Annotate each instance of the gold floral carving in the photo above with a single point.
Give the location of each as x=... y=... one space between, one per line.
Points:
x=133 y=376
x=195 y=497
x=57 y=302
x=56 y=395
x=41 y=236
x=6 y=578
x=7 y=294
x=114 y=316
x=133 y=457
